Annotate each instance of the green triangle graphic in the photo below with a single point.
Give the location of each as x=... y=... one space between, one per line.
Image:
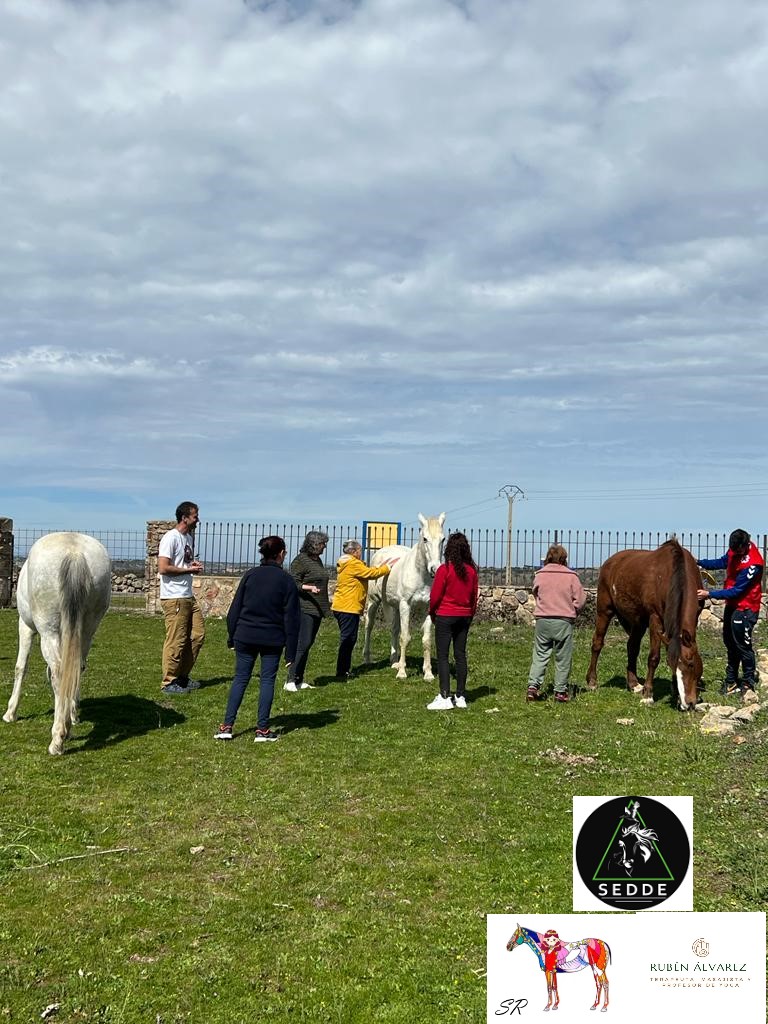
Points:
x=597 y=877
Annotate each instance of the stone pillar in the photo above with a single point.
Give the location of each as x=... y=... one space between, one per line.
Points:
x=6 y=562
x=155 y=530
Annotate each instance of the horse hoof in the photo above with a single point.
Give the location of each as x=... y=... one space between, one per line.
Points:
x=401 y=675
x=637 y=689
x=54 y=750
x=8 y=717
x=429 y=678
x=646 y=700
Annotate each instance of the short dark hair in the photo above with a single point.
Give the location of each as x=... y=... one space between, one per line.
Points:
x=270 y=547
x=739 y=540
x=184 y=509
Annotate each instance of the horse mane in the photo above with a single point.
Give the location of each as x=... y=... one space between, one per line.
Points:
x=673 y=607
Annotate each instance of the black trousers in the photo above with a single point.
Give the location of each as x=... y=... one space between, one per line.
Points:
x=307 y=633
x=452 y=628
x=738 y=624
x=349 y=624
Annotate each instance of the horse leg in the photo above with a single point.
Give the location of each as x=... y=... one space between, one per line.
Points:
x=50 y=647
x=405 y=636
x=602 y=622
x=633 y=649
x=426 y=642
x=370 y=616
x=655 y=630
x=26 y=634
x=394 y=641
x=596 y=1003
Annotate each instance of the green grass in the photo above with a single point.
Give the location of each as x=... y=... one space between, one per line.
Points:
x=346 y=871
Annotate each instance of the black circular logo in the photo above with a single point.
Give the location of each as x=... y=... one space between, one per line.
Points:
x=632 y=852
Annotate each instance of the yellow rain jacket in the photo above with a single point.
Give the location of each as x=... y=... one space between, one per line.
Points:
x=352 y=576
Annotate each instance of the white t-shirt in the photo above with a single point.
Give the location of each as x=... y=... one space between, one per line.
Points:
x=179 y=548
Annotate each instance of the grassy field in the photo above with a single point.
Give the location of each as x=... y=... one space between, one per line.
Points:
x=344 y=873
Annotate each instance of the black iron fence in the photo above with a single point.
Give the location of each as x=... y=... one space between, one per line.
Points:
x=227 y=549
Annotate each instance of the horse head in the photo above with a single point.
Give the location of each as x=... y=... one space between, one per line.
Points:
x=685 y=662
x=681 y=614
x=517 y=939
x=432 y=540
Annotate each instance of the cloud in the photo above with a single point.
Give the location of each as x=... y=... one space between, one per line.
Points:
x=299 y=245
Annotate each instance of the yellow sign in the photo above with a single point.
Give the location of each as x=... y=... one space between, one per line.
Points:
x=380 y=535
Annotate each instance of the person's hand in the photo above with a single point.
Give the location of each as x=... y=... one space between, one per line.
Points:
x=313 y=589
x=702 y=594
x=195 y=567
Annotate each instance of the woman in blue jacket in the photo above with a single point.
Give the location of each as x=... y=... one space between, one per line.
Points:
x=263 y=620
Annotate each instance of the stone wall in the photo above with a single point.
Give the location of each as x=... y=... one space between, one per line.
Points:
x=514 y=605
x=155 y=530
x=6 y=562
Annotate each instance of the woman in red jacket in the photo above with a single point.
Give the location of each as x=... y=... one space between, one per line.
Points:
x=452 y=605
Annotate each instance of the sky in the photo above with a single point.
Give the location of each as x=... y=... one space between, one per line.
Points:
x=336 y=260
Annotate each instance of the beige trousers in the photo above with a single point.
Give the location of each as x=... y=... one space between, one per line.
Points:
x=184 y=636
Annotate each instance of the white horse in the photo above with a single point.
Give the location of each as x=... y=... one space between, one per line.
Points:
x=63 y=591
x=406 y=588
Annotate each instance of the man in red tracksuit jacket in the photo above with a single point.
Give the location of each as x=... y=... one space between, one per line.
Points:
x=743 y=566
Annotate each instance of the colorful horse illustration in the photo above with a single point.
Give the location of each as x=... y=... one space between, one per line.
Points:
x=557 y=957
x=406 y=589
x=63 y=592
x=654 y=590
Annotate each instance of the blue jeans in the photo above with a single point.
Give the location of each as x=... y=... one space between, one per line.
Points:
x=245 y=660
x=349 y=624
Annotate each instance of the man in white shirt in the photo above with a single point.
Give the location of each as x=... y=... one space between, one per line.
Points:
x=184 y=626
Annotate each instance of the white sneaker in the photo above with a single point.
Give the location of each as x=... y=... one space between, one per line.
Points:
x=291 y=687
x=440 y=704
x=304 y=686
x=459 y=702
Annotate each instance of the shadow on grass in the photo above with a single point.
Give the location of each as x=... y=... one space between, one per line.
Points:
x=119 y=718
x=478 y=692
x=306 y=720
x=214 y=681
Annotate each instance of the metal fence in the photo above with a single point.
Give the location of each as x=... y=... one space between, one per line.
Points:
x=127 y=549
x=227 y=549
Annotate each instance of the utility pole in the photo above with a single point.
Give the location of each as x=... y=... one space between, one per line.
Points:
x=510 y=492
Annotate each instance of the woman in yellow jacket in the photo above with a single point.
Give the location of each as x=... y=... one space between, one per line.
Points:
x=352 y=576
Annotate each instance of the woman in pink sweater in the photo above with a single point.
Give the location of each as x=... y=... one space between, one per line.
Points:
x=559 y=599
x=452 y=605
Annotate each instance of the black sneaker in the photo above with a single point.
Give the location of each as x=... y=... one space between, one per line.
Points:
x=534 y=695
x=174 y=688
x=224 y=732
x=265 y=736
x=728 y=688
x=562 y=697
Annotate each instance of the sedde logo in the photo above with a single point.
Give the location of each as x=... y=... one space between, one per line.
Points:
x=631 y=853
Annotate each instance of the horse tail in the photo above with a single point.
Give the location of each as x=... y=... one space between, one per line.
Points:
x=673 y=607
x=75 y=581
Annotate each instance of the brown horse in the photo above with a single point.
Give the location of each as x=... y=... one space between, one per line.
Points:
x=653 y=590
